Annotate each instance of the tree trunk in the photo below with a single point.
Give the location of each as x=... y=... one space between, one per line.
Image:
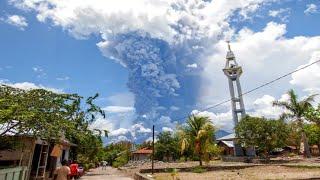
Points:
x=266 y=155
x=306 y=145
x=200 y=161
x=200 y=155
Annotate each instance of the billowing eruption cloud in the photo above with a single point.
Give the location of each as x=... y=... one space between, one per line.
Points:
x=155 y=74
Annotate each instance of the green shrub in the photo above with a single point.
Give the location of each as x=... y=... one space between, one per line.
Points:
x=198 y=169
x=121 y=160
x=291 y=154
x=86 y=166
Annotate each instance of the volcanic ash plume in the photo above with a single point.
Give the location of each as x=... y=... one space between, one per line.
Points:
x=155 y=74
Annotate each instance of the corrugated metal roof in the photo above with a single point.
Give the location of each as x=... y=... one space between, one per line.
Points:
x=228 y=137
x=228 y=143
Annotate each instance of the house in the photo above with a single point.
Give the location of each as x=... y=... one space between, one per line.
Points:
x=227 y=146
x=227 y=143
x=38 y=156
x=141 y=154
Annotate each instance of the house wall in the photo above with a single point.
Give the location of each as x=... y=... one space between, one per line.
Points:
x=139 y=157
x=24 y=152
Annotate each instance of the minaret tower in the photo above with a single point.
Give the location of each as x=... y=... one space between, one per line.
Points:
x=233 y=72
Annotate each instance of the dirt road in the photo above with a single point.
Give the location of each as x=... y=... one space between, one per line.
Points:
x=109 y=174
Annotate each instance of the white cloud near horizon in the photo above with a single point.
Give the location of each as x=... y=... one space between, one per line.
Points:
x=30 y=86
x=262 y=107
x=118 y=109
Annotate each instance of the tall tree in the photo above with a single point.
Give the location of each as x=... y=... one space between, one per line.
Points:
x=296 y=110
x=166 y=146
x=199 y=131
x=263 y=134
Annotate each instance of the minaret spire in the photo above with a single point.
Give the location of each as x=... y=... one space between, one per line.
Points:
x=233 y=72
x=229 y=47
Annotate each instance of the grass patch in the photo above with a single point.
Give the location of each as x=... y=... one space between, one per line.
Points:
x=199 y=169
x=302 y=166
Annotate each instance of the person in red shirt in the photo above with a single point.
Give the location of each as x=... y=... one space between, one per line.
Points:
x=74 y=170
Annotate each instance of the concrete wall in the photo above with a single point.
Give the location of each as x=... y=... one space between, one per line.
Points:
x=18 y=173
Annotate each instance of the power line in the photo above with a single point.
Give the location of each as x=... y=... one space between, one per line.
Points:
x=254 y=89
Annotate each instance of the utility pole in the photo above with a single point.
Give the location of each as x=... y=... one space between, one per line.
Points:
x=152 y=150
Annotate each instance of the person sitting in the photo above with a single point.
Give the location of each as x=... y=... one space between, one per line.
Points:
x=63 y=172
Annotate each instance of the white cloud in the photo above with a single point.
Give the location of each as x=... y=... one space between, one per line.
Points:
x=121 y=99
x=30 y=86
x=311 y=9
x=140 y=128
x=220 y=120
x=194 y=65
x=118 y=109
x=18 y=21
x=263 y=107
x=282 y=13
x=102 y=124
x=167 y=129
x=118 y=132
x=174 y=108
x=131 y=133
x=86 y=17
x=309 y=79
x=39 y=71
x=64 y=78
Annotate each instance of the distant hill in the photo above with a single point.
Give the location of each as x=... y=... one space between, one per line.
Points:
x=220 y=133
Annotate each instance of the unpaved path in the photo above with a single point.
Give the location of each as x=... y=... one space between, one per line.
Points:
x=108 y=174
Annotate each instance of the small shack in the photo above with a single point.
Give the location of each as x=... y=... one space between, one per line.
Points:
x=142 y=154
x=227 y=146
x=226 y=143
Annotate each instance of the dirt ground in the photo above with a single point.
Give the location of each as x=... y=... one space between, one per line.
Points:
x=263 y=172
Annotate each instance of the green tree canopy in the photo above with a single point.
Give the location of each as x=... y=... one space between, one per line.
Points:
x=198 y=132
x=263 y=134
x=167 y=146
x=313 y=133
x=48 y=115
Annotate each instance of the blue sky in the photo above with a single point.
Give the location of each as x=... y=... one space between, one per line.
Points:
x=58 y=55
x=155 y=61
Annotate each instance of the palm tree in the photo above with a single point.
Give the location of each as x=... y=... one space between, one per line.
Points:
x=296 y=110
x=198 y=131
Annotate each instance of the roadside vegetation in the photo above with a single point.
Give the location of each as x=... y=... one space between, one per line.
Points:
x=51 y=116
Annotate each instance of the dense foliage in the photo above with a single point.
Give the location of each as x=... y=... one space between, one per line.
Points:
x=198 y=132
x=263 y=134
x=118 y=154
x=167 y=146
x=296 y=111
x=52 y=116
